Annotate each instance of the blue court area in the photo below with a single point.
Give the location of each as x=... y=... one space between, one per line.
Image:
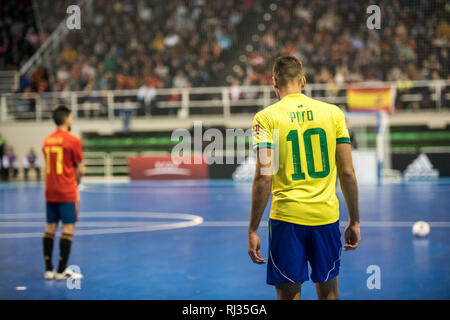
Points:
x=188 y=240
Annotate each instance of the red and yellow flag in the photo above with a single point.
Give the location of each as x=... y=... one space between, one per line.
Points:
x=370 y=99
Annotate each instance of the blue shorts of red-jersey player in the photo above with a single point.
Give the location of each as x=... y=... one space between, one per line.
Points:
x=293 y=246
x=67 y=212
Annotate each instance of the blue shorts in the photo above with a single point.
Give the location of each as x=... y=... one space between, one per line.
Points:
x=292 y=246
x=67 y=212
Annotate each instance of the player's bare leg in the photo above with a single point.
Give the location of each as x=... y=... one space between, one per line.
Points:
x=48 y=239
x=50 y=228
x=68 y=228
x=328 y=290
x=288 y=291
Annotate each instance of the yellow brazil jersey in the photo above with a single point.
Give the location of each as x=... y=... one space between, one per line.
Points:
x=303 y=134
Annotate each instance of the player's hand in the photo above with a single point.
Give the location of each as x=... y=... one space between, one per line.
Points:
x=254 y=246
x=352 y=236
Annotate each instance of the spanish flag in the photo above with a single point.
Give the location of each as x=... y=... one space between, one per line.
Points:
x=370 y=99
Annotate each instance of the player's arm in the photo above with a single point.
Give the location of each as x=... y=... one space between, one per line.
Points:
x=349 y=188
x=78 y=159
x=262 y=185
x=81 y=171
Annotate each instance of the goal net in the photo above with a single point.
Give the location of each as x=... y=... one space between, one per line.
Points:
x=370 y=135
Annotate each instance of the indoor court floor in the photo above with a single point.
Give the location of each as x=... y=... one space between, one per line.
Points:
x=188 y=240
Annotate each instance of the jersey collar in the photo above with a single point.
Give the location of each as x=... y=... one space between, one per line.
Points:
x=293 y=95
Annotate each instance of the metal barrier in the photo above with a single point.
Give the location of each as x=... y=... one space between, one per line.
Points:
x=107 y=164
x=110 y=164
x=9 y=80
x=186 y=102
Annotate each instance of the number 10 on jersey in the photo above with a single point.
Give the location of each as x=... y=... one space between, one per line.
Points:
x=293 y=137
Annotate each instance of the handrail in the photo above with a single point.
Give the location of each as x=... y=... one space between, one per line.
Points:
x=250 y=89
x=105 y=104
x=37 y=56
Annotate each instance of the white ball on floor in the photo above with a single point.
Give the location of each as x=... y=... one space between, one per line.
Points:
x=421 y=229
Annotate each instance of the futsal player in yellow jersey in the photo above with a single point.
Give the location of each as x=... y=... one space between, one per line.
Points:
x=302 y=144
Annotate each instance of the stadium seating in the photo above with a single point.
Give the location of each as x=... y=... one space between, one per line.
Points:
x=332 y=40
x=125 y=44
x=19 y=37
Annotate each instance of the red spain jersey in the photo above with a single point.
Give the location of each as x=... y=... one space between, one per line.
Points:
x=62 y=151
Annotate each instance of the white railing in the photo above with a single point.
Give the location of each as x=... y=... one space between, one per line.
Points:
x=191 y=102
x=9 y=80
x=47 y=49
x=106 y=164
x=111 y=164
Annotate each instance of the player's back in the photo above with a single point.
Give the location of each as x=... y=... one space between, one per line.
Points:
x=304 y=140
x=62 y=151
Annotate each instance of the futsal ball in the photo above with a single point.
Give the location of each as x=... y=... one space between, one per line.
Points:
x=421 y=229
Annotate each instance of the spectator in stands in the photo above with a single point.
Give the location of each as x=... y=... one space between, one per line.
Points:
x=403 y=87
x=127 y=111
x=2 y=152
x=146 y=95
x=10 y=164
x=167 y=34
x=332 y=38
x=194 y=77
x=30 y=161
x=180 y=80
x=91 y=103
x=18 y=36
x=40 y=80
x=121 y=37
x=68 y=55
x=26 y=103
x=235 y=90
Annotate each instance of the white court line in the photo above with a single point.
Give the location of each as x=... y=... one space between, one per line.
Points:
x=373 y=224
x=122 y=224
x=217 y=223
x=164 y=190
x=82 y=224
x=119 y=227
x=107 y=214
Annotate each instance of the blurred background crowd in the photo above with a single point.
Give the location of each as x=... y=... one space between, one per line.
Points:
x=127 y=44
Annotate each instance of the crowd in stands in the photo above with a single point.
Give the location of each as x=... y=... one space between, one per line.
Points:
x=19 y=37
x=333 y=41
x=128 y=44
x=131 y=44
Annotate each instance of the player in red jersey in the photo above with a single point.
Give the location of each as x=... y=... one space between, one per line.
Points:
x=64 y=168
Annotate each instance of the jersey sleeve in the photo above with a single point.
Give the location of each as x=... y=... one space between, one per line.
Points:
x=342 y=135
x=261 y=131
x=77 y=150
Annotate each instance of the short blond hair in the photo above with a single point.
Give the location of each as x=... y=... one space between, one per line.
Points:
x=287 y=69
